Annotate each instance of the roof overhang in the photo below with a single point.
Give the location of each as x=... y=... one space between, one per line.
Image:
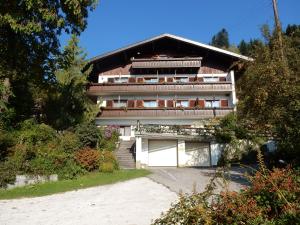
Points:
x=174 y=37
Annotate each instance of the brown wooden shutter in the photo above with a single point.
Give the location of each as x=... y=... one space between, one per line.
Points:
x=109 y=103
x=170 y=103
x=201 y=103
x=110 y=80
x=200 y=79
x=161 y=80
x=140 y=80
x=192 y=103
x=191 y=79
x=139 y=103
x=131 y=80
x=170 y=79
x=222 y=78
x=161 y=103
x=130 y=103
x=224 y=103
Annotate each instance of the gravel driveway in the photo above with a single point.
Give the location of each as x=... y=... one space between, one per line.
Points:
x=186 y=179
x=132 y=202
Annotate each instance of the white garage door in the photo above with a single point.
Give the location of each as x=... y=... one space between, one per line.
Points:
x=162 y=153
x=197 y=154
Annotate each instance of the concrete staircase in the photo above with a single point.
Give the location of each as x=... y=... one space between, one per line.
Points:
x=125 y=154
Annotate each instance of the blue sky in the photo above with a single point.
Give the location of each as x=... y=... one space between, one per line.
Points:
x=117 y=23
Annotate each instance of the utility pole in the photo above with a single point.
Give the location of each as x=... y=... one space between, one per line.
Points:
x=278 y=28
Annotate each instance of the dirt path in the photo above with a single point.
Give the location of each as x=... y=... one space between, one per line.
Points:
x=132 y=202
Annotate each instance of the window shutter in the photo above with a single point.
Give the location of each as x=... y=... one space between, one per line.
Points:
x=161 y=80
x=110 y=80
x=161 y=103
x=191 y=79
x=130 y=103
x=109 y=103
x=224 y=103
x=131 y=79
x=200 y=79
x=192 y=103
x=170 y=79
x=201 y=103
x=222 y=78
x=170 y=103
x=140 y=80
x=139 y=103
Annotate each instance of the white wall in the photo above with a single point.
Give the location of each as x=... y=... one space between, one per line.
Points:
x=216 y=150
x=141 y=152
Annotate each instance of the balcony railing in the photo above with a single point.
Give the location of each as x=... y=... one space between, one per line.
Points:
x=174 y=130
x=102 y=89
x=189 y=113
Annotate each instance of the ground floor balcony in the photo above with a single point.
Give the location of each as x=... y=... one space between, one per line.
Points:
x=156 y=113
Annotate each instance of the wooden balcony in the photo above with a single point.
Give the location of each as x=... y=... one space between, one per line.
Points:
x=167 y=63
x=186 y=113
x=114 y=89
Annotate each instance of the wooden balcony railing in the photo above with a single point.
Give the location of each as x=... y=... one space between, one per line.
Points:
x=165 y=112
x=104 y=89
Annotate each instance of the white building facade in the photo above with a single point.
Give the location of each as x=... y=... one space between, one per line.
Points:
x=160 y=92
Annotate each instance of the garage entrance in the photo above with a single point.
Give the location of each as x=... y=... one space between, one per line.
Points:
x=162 y=152
x=197 y=154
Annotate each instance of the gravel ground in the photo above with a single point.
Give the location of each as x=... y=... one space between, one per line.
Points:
x=187 y=179
x=131 y=202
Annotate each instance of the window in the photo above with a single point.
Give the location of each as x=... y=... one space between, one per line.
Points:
x=120 y=103
x=182 y=103
x=210 y=79
x=181 y=79
x=212 y=103
x=150 y=79
x=121 y=80
x=150 y=103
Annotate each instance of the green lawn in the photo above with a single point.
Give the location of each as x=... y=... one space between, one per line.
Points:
x=89 y=180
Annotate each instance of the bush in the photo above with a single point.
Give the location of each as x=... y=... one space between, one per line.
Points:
x=7 y=174
x=88 y=158
x=32 y=133
x=88 y=134
x=110 y=139
x=7 y=140
x=272 y=199
x=107 y=167
x=109 y=157
x=69 y=142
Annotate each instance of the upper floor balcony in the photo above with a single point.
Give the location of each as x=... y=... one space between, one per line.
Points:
x=190 y=113
x=160 y=84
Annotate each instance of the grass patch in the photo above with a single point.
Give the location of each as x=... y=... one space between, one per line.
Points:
x=88 y=180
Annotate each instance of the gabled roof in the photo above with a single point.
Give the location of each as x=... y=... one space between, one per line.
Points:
x=174 y=37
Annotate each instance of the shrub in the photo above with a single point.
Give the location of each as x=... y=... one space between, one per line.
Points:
x=107 y=167
x=88 y=158
x=32 y=133
x=7 y=174
x=111 y=138
x=88 y=134
x=70 y=170
x=109 y=157
x=69 y=142
x=7 y=140
x=272 y=199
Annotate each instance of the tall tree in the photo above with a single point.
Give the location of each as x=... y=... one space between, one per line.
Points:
x=69 y=94
x=29 y=32
x=270 y=94
x=221 y=39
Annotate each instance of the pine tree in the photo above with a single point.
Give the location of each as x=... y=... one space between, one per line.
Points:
x=221 y=39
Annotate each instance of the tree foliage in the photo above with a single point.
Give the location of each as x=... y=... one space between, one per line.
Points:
x=221 y=39
x=270 y=93
x=29 y=44
x=69 y=92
